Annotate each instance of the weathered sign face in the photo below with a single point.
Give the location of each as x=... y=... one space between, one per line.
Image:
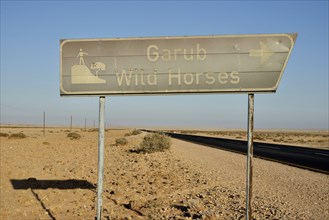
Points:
x=204 y=64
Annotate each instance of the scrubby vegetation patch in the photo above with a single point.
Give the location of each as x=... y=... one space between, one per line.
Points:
x=2 y=134
x=121 y=141
x=74 y=136
x=17 y=136
x=134 y=132
x=155 y=142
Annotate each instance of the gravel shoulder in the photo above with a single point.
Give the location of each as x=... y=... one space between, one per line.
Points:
x=289 y=189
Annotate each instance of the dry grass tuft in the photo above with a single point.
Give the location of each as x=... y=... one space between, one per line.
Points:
x=155 y=142
x=121 y=141
x=74 y=136
x=134 y=132
x=17 y=136
x=4 y=134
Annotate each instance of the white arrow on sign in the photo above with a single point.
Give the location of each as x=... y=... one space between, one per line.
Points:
x=264 y=53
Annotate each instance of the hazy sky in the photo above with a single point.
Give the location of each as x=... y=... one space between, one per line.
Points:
x=30 y=43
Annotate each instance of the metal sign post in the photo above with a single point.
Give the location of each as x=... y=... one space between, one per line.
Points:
x=44 y=123
x=100 y=156
x=250 y=155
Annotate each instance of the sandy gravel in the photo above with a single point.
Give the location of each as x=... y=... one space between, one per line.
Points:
x=187 y=182
x=295 y=192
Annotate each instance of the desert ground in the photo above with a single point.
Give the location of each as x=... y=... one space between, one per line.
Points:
x=54 y=176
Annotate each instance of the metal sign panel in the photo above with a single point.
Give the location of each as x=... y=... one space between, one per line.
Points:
x=164 y=65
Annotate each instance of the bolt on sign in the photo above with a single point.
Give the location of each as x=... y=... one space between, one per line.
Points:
x=169 y=65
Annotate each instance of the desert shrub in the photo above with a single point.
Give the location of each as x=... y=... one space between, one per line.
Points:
x=134 y=132
x=155 y=142
x=17 y=136
x=45 y=143
x=290 y=140
x=278 y=140
x=121 y=141
x=259 y=137
x=4 y=134
x=320 y=141
x=74 y=136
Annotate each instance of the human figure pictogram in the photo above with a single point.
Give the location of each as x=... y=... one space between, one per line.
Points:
x=80 y=55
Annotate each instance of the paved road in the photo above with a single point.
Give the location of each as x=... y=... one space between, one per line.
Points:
x=309 y=158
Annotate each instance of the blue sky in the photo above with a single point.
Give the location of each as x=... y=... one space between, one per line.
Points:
x=31 y=32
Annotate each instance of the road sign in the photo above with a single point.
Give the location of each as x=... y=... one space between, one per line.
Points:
x=165 y=65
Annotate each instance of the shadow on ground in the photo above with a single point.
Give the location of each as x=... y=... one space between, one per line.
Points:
x=33 y=183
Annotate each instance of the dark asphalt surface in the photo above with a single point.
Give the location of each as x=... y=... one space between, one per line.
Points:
x=303 y=157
